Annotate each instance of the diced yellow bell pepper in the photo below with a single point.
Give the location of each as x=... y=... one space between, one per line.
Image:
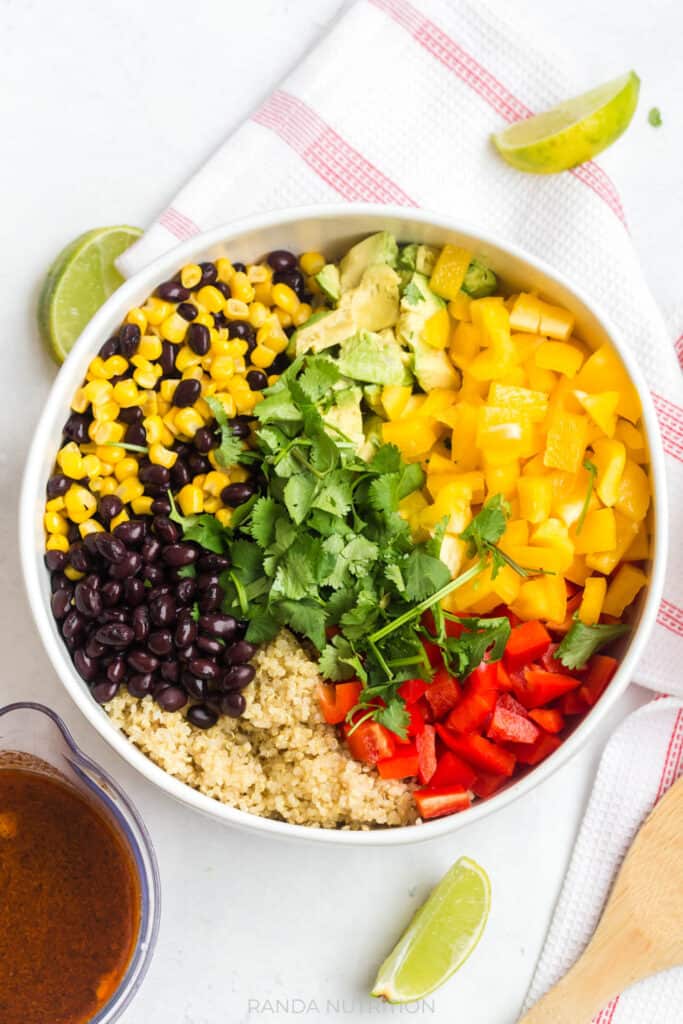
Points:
x=471 y=484
x=610 y=459
x=623 y=589
x=454 y=497
x=413 y=406
x=484 y=593
x=516 y=534
x=540 y=559
x=594 y=590
x=501 y=479
x=604 y=367
x=414 y=436
x=411 y=509
x=633 y=493
x=472 y=389
x=463 y=448
x=459 y=307
x=449 y=271
x=526 y=345
x=640 y=548
x=525 y=314
x=535 y=466
x=439 y=464
x=602 y=409
x=633 y=439
x=437 y=329
x=465 y=344
x=566 y=441
x=502 y=437
x=578 y=571
x=437 y=401
x=514 y=378
x=542 y=598
x=519 y=400
x=493 y=320
x=394 y=399
x=598 y=533
x=535 y=497
x=559 y=357
x=556 y=322
x=538 y=379
x=606 y=561
x=452 y=552
x=553 y=533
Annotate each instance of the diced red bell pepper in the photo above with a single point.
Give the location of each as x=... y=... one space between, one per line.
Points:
x=550 y=662
x=401 y=766
x=435 y=803
x=504 y=679
x=484 y=679
x=412 y=689
x=549 y=719
x=433 y=652
x=425 y=743
x=511 y=724
x=482 y=753
x=540 y=687
x=453 y=627
x=337 y=700
x=417 y=719
x=442 y=693
x=370 y=742
x=572 y=703
x=487 y=784
x=526 y=643
x=451 y=770
x=502 y=610
x=478 y=701
x=536 y=752
x=599 y=672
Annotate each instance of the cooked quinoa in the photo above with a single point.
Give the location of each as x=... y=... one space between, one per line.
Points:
x=280 y=760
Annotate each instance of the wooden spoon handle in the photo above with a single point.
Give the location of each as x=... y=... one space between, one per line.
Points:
x=574 y=1000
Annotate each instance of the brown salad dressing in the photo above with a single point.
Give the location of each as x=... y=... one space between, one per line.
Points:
x=69 y=902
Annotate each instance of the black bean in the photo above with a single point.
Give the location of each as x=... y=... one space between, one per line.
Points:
x=57 y=486
x=294 y=279
x=109 y=506
x=112 y=592
x=73 y=627
x=60 y=603
x=222 y=626
x=129 y=339
x=110 y=348
x=160 y=642
x=151 y=548
x=237 y=677
x=104 y=691
x=132 y=414
x=281 y=259
x=242 y=626
x=198 y=338
x=178 y=555
x=128 y=566
x=135 y=434
x=187 y=311
x=58 y=581
x=170 y=670
x=132 y=532
x=280 y=363
x=212 y=562
x=110 y=548
x=209 y=645
x=186 y=629
x=239 y=653
x=242 y=329
x=93 y=648
x=171 y=698
x=86 y=667
x=186 y=393
x=72 y=533
x=115 y=634
x=201 y=716
x=173 y=291
x=180 y=474
x=140 y=684
x=197 y=463
x=116 y=670
x=166 y=530
x=236 y=494
x=140 y=622
x=142 y=661
x=226 y=292
x=76 y=428
x=113 y=615
x=167 y=361
x=204 y=668
x=209 y=274
x=153 y=574
x=233 y=704
x=185 y=590
x=87 y=601
x=93 y=581
x=197 y=688
x=158 y=591
x=79 y=558
x=257 y=380
x=207 y=579
x=210 y=599
x=204 y=440
x=158 y=475
x=162 y=611
x=186 y=654
x=161 y=507
x=55 y=560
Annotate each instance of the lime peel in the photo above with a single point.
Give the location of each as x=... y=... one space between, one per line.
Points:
x=441 y=936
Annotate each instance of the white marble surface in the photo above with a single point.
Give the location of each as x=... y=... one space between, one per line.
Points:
x=104 y=110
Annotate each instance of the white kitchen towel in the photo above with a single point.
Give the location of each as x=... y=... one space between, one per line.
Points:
x=396 y=105
x=642 y=760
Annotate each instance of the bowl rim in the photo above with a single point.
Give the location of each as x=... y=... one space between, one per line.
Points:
x=32 y=490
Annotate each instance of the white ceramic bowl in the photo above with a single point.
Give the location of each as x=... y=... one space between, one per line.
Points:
x=331 y=229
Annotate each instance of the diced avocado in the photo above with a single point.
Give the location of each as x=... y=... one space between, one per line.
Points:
x=372 y=393
x=346 y=416
x=374 y=303
x=373 y=358
x=329 y=282
x=373 y=437
x=426 y=258
x=379 y=248
x=321 y=332
x=407 y=257
x=432 y=366
x=479 y=281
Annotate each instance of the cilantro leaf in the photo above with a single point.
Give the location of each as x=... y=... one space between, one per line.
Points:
x=263 y=517
x=424 y=574
x=394 y=717
x=339 y=661
x=387 y=459
x=304 y=617
x=592 y=470
x=230 y=450
x=263 y=626
x=335 y=494
x=298 y=496
x=187 y=572
x=319 y=377
x=487 y=527
x=466 y=652
x=204 y=529
x=581 y=642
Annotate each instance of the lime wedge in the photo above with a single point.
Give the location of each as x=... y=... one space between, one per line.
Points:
x=77 y=283
x=574 y=131
x=440 y=937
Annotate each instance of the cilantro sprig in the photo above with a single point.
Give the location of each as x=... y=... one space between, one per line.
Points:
x=581 y=642
x=231 y=451
x=592 y=471
x=205 y=529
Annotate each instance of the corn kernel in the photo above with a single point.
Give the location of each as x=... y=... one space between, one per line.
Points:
x=241 y=288
x=222 y=367
x=224 y=515
x=191 y=275
x=224 y=270
x=95 y=484
x=188 y=421
x=115 y=366
x=147 y=376
x=54 y=505
x=149 y=403
x=161 y=456
x=311 y=263
x=125 y=468
x=245 y=402
x=273 y=379
x=257 y=273
x=167 y=389
x=153 y=428
x=212 y=504
x=302 y=314
x=286 y=298
x=122 y=517
x=199 y=480
x=236 y=309
x=149 y=348
x=185 y=358
x=227 y=402
x=96 y=369
x=156 y=310
x=73 y=574
x=106 y=411
x=142 y=506
x=238 y=475
x=102 y=433
x=215 y=482
x=70 y=461
x=193 y=373
x=283 y=318
x=109 y=455
x=191 y=500
x=80 y=401
x=90 y=526
x=125 y=393
x=91 y=466
x=98 y=392
x=258 y=313
x=129 y=489
x=57 y=542
x=109 y=485
x=80 y=503
x=262 y=357
x=173 y=329
x=210 y=298
x=263 y=293
x=137 y=317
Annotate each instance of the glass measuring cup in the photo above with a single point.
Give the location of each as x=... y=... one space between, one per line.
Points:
x=34 y=737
